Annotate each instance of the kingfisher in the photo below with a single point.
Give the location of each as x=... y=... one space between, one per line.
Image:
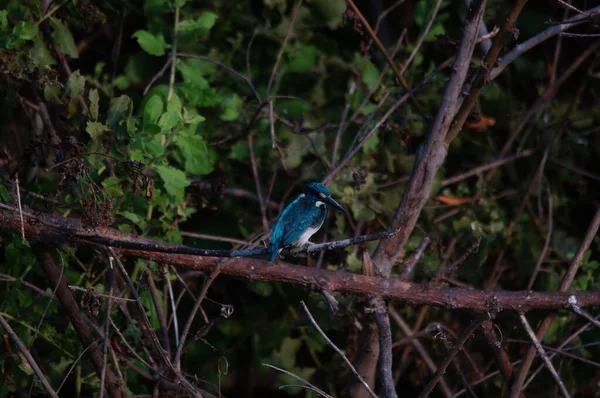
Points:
x=302 y=218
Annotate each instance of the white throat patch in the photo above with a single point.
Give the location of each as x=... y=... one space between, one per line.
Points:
x=318 y=203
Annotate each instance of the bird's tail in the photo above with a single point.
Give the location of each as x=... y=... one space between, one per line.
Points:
x=273 y=251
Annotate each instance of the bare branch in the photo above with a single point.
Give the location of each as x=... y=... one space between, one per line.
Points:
x=28 y=356
x=285 y=40
x=385 y=348
x=414 y=259
x=432 y=152
x=295 y=376
x=542 y=353
x=443 y=386
x=422 y=36
x=336 y=349
x=564 y=286
x=442 y=369
x=55 y=229
x=522 y=48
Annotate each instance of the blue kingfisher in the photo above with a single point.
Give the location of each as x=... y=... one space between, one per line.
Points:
x=301 y=218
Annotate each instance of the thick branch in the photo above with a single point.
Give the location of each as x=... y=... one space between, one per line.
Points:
x=432 y=153
x=54 y=229
x=70 y=306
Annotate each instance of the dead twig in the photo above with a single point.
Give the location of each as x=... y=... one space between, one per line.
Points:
x=282 y=49
x=295 y=376
x=458 y=344
x=564 y=286
x=28 y=357
x=542 y=354
x=336 y=349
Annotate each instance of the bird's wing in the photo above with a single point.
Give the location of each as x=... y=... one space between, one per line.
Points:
x=279 y=229
x=307 y=216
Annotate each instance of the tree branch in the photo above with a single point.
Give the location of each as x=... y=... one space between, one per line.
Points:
x=55 y=229
x=564 y=286
x=69 y=304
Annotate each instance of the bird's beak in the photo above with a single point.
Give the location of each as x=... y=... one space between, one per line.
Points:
x=335 y=204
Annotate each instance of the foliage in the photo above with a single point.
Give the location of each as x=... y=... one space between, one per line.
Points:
x=138 y=116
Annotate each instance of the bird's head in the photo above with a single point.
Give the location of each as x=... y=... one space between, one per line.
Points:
x=321 y=193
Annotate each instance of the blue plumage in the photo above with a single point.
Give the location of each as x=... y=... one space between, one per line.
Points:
x=301 y=218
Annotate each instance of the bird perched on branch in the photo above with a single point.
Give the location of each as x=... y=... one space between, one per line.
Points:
x=302 y=218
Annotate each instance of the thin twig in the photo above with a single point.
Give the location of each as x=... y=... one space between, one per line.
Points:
x=227 y=68
x=37 y=329
x=186 y=329
x=564 y=286
x=274 y=143
x=381 y=121
x=338 y=136
x=542 y=354
x=577 y=309
x=106 y=332
x=527 y=45
x=28 y=356
x=173 y=306
x=481 y=169
x=336 y=349
x=378 y=43
x=422 y=36
x=20 y=208
x=295 y=376
x=96 y=293
x=408 y=332
x=173 y=54
x=165 y=358
x=75 y=362
x=214 y=237
x=409 y=265
x=458 y=344
x=559 y=348
x=158 y=75
x=259 y=193
x=542 y=256
x=292 y=22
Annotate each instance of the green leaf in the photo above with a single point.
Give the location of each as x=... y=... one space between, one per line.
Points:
x=39 y=54
x=174 y=104
x=4 y=193
x=63 y=37
x=112 y=186
x=239 y=151
x=3 y=21
x=231 y=105
x=94 y=103
x=198 y=159
x=118 y=107
x=332 y=10
x=153 y=45
x=191 y=74
x=153 y=110
x=96 y=129
x=304 y=59
x=75 y=84
x=25 y=30
x=372 y=143
x=201 y=25
x=168 y=120
x=287 y=353
x=52 y=94
x=134 y=218
x=174 y=180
